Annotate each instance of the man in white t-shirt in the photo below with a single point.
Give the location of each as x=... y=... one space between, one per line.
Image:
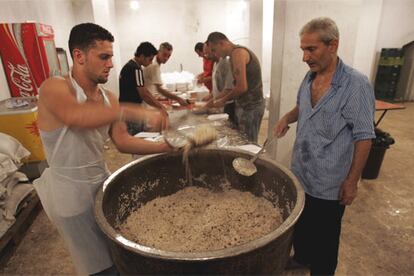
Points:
x=152 y=75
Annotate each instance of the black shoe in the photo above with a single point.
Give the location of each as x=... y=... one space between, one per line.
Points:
x=294 y=264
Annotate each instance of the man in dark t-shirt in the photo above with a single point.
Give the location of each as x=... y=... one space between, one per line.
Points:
x=130 y=78
x=131 y=83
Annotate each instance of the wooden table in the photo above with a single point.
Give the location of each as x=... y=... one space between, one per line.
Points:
x=385 y=106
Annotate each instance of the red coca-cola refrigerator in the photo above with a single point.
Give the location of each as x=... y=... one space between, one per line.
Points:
x=28 y=54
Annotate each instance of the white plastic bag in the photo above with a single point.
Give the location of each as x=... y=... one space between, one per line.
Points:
x=13 y=148
x=7 y=166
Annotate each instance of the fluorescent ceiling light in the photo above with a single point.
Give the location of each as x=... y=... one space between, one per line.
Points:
x=244 y=5
x=134 y=5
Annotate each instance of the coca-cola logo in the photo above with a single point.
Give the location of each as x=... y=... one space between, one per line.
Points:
x=20 y=76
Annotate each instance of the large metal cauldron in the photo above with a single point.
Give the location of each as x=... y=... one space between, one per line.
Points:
x=161 y=175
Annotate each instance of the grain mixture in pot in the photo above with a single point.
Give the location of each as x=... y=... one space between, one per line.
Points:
x=196 y=219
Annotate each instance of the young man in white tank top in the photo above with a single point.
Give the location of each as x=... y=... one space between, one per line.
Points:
x=75 y=112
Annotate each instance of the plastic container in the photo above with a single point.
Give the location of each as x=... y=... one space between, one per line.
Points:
x=380 y=145
x=182 y=86
x=18 y=118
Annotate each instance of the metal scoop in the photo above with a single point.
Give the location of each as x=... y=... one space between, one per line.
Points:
x=190 y=134
x=245 y=166
x=177 y=135
x=177 y=138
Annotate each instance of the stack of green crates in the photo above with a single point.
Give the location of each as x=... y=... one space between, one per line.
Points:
x=388 y=73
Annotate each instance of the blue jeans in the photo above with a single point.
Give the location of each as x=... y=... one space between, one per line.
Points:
x=229 y=108
x=134 y=128
x=249 y=120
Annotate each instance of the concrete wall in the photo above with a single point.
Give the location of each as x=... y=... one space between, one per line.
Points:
x=183 y=23
x=256 y=24
x=365 y=54
x=104 y=15
x=396 y=27
x=268 y=14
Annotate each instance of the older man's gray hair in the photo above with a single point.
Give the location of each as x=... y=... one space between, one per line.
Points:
x=324 y=26
x=167 y=46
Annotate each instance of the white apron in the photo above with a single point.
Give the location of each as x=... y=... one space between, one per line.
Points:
x=68 y=187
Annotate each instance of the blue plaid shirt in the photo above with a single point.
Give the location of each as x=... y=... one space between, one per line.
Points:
x=326 y=133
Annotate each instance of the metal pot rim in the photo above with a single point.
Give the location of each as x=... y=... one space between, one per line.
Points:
x=206 y=255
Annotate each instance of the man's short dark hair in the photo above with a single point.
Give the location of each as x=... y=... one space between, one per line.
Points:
x=216 y=37
x=146 y=49
x=167 y=46
x=84 y=36
x=199 y=47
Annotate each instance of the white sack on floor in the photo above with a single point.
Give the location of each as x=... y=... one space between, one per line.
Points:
x=12 y=205
x=12 y=191
x=13 y=148
x=7 y=185
x=7 y=166
x=18 y=195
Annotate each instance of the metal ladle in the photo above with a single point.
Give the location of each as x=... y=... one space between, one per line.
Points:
x=245 y=166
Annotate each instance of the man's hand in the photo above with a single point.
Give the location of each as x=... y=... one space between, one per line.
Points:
x=219 y=103
x=183 y=102
x=200 y=79
x=212 y=103
x=281 y=128
x=209 y=104
x=156 y=120
x=165 y=120
x=348 y=192
x=167 y=148
x=207 y=98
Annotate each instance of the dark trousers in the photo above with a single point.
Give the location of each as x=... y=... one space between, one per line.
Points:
x=111 y=271
x=230 y=109
x=316 y=235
